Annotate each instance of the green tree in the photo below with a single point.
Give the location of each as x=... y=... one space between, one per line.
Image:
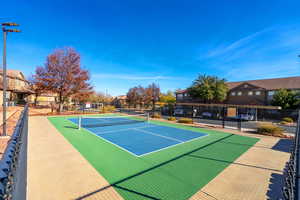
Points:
x=168 y=97
x=209 y=89
x=220 y=89
x=167 y=100
x=286 y=99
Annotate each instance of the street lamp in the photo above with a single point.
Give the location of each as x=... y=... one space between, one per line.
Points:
x=5 y=31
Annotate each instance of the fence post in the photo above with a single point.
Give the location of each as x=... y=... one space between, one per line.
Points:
x=223 y=117
x=240 y=123
x=193 y=114
x=297 y=154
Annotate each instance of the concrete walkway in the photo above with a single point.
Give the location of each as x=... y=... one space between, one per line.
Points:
x=257 y=174
x=56 y=170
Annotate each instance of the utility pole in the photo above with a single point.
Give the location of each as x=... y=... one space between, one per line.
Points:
x=5 y=31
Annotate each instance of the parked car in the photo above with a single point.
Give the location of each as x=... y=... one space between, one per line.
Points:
x=207 y=115
x=178 y=112
x=247 y=117
x=244 y=117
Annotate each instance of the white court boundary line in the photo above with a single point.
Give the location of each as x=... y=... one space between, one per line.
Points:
x=158 y=135
x=113 y=116
x=175 y=144
x=205 y=135
x=125 y=129
x=105 y=118
x=94 y=134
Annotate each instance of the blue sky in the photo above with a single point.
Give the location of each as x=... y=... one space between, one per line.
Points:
x=132 y=42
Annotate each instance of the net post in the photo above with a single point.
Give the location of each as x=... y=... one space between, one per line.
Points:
x=79 y=122
x=147 y=117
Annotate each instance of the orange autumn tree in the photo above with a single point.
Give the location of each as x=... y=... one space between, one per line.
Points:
x=144 y=96
x=37 y=87
x=62 y=74
x=153 y=94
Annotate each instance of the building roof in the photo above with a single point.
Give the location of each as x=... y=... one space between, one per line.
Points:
x=271 y=84
x=21 y=90
x=121 y=97
x=15 y=74
x=180 y=91
x=268 y=84
x=12 y=73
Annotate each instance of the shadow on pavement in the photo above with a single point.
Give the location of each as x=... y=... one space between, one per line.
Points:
x=276 y=184
x=117 y=183
x=283 y=145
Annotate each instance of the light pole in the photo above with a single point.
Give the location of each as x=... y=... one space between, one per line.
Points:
x=5 y=31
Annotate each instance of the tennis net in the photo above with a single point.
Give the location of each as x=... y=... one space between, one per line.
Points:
x=89 y=122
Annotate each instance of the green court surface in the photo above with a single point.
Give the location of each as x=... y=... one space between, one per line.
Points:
x=174 y=173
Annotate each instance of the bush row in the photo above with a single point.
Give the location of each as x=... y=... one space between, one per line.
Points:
x=270 y=129
x=263 y=128
x=286 y=120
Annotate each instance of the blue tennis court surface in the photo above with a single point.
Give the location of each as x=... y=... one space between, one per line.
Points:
x=141 y=138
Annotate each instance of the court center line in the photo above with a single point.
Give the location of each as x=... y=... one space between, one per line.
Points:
x=151 y=133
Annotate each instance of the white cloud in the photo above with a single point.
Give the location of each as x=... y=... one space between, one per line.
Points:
x=223 y=49
x=268 y=53
x=282 y=68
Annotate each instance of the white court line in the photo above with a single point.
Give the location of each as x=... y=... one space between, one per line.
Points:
x=94 y=134
x=182 y=142
x=151 y=133
x=125 y=129
x=175 y=145
x=116 y=145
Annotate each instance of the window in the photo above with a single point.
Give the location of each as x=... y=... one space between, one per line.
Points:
x=257 y=93
x=179 y=96
x=232 y=93
x=271 y=93
x=245 y=86
x=250 y=93
x=239 y=93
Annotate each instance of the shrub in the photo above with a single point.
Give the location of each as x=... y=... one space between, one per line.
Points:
x=270 y=129
x=287 y=119
x=284 y=123
x=185 y=120
x=172 y=118
x=156 y=115
x=109 y=108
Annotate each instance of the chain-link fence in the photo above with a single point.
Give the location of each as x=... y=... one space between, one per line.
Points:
x=241 y=117
x=291 y=189
x=13 y=165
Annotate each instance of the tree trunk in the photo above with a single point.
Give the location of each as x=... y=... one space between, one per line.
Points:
x=60 y=103
x=153 y=105
x=35 y=99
